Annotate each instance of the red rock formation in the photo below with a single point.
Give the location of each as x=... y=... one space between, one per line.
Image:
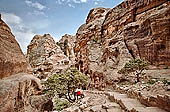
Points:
x=12 y=59
x=19 y=92
x=140 y=24
x=133 y=29
x=46 y=57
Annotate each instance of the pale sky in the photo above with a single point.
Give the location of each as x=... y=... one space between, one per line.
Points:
x=27 y=18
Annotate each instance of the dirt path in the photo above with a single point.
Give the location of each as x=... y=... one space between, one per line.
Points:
x=94 y=101
x=100 y=101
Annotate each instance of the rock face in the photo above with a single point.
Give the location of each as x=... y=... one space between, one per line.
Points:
x=45 y=56
x=12 y=59
x=110 y=37
x=67 y=43
x=16 y=92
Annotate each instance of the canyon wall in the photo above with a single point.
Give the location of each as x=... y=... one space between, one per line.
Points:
x=18 y=89
x=12 y=59
x=111 y=37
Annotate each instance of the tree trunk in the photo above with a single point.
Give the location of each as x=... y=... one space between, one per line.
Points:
x=137 y=77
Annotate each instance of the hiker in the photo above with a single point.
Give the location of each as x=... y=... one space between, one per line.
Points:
x=79 y=93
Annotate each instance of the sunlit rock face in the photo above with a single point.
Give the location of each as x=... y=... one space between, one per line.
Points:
x=67 y=43
x=111 y=37
x=12 y=59
x=46 y=57
x=19 y=92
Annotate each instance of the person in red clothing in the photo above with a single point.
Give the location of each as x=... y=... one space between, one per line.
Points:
x=78 y=92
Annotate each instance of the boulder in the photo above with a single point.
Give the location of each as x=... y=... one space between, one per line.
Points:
x=16 y=92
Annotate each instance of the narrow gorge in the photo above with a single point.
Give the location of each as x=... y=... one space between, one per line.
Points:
x=109 y=38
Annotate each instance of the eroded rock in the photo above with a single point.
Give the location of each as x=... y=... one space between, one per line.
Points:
x=111 y=37
x=12 y=59
x=46 y=57
x=15 y=92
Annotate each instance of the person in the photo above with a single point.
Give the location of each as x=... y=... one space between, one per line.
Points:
x=78 y=92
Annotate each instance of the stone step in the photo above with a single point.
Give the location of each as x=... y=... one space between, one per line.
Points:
x=130 y=104
x=149 y=109
x=114 y=110
x=113 y=96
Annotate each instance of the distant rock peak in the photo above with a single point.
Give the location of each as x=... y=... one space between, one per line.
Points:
x=46 y=57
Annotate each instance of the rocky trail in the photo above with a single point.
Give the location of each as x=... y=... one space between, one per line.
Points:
x=100 y=101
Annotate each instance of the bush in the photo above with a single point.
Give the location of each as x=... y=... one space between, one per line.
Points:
x=160 y=7
x=61 y=104
x=135 y=66
x=166 y=82
x=151 y=81
x=65 y=83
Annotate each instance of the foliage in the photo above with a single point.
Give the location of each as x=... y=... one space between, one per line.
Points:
x=166 y=82
x=61 y=104
x=135 y=66
x=65 y=83
x=151 y=81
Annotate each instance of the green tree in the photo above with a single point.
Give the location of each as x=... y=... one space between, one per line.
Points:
x=135 y=66
x=65 y=83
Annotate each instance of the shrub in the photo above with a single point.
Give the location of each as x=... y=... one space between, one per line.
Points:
x=135 y=66
x=65 y=83
x=166 y=82
x=61 y=104
x=151 y=81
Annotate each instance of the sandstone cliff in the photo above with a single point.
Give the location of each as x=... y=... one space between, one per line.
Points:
x=46 y=57
x=12 y=59
x=110 y=37
x=18 y=91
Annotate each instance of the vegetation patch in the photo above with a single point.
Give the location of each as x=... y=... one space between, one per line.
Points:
x=151 y=81
x=63 y=86
x=134 y=66
x=61 y=104
x=166 y=67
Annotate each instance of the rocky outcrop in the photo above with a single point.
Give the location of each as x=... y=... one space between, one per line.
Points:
x=12 y=59
x=110 y=37
x=46 y=57
x=67 y=43
x=16 y=92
